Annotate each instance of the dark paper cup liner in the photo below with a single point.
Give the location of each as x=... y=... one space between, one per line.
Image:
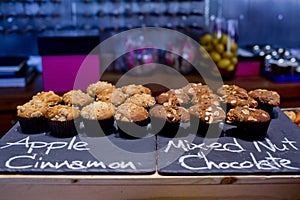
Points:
x=203 y=129
x=268 y=108
x=164 y=128
x=63 y=129
x=249 y=131
x=99 y=128
x=133 y=130
x=33 y=125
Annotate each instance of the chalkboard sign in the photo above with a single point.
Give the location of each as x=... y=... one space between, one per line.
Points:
x=45 y=154
x=278 y=153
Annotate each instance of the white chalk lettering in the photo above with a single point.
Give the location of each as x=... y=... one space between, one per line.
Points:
x=38 y=163
x=269 y=162
x=186 y=146
x=48 y=146
x=286 y=145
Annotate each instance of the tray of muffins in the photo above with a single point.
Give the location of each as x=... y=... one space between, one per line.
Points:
x=191 y=130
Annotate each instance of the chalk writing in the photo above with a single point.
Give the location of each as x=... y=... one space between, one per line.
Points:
x=197 y=156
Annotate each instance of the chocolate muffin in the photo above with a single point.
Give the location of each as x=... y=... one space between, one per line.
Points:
x=31 y=116
x=132 y=121
x=251 y=123
x=167 y=119
x=77 y=98
x=61 y=120
x=133 y=89
x=193 y=88
x=50 y=98
x=206 y=117
x=266 y=99
x=144 y=100
x=98 y=113
x=174 y=96
x=233 y=96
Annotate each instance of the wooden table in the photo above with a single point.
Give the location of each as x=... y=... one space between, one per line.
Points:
x=149 y=187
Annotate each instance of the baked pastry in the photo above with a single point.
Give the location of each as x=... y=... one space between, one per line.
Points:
x=233 y=96
x=98 y=113
x=50 y=98
x=144 y=100
x=174 y=96
x=294 y=115
x=99 y=89
x=167 y=119
x=206 y=118
x=31 y=116
x=61 y=120
x=132 y=120
x=133 y=89
x=192 y=88
x=251 y=123
x=117 y=97
x=77 y=98
x=266 y=99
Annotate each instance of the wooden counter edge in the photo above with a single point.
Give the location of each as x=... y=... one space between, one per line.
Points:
x=154 y=179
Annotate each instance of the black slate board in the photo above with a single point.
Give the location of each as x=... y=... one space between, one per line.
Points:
x=45 y=154
x=278 y=153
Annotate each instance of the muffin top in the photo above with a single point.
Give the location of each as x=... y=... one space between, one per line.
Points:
x=135 y=89
x=264 y=96
x=172 y=114
x=206 y=98
x=62 y=113
x=50 y=98
x=234 y=101
x=226 y=90
x=191 y=88
x=100 y=88
x=144 y=100
x=76 y=98
x=247 y=115
x=116 y=97
x=98 y=111
x=130 y=112
x=196 y=88
x=32 y=109
x=176 y=96
x=207 y=113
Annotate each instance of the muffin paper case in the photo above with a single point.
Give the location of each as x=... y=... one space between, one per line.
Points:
x=249 y=131
x=133 y=130
x=33 y=125
x=99 y=128
x=212 y=130
x=62 y=129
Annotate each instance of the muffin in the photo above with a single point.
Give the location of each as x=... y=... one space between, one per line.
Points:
x=132 y=120
x=234 y=96
x=174 y=96
x=99 y=89
x=167 y=119
x=61 y=120
x=31 y=116
x=144 y=100
x=133 y=89
x=192 y=88
x=206 y=117
x=266 y=99
x=98 y=113
x=50 y=98
x=251 y=123
x=77 y=98
x=117 y=97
